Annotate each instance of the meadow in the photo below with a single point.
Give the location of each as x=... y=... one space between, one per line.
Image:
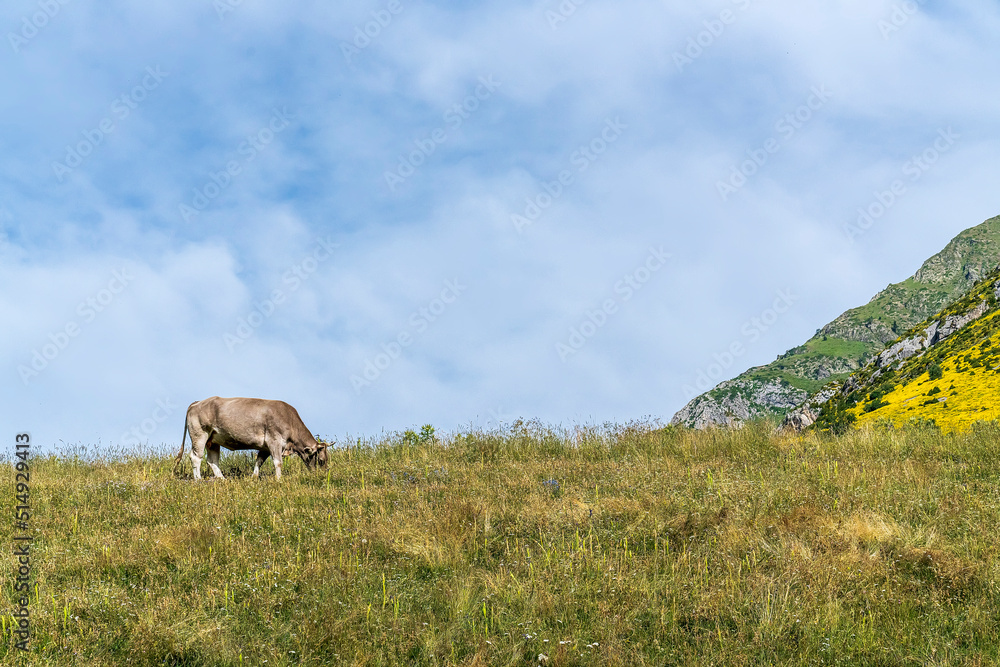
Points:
x=527 y=545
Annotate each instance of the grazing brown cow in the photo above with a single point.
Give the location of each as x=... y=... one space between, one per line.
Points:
x=273 y=428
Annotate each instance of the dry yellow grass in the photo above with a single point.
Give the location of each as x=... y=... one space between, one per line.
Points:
x=633 y=546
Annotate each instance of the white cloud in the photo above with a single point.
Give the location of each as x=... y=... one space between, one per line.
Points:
x=494 y=348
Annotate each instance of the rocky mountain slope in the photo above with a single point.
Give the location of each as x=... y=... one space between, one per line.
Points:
x=846 y=344
x=945 y=370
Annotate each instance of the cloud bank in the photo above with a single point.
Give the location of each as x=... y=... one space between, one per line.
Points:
x=399 y=213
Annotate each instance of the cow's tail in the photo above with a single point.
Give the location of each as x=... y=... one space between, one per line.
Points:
x=177 y=462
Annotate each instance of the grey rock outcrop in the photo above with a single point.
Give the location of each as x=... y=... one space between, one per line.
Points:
x=800 y=419
x=934 y=333
x=955 y=322
x=805 y=415
x=905 y=349
x=736 y=401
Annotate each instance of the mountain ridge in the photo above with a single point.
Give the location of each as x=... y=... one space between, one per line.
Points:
x=844 y=345
x=945 y=371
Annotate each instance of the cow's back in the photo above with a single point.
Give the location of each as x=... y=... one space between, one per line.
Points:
x=250 y=419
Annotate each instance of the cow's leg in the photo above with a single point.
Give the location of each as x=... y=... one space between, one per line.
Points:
x=276 y=448
x=261 y=458
x=198 y=441
x=213 y=460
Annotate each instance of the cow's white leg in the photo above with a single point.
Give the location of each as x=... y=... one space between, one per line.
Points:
x=198 y=442
x=196 y=465
x=213 y=461
x=275 y=447
x=278 y=456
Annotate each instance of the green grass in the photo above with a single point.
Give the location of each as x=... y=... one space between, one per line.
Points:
x=773 y=371
x=903 y=299
x=789 y=368
x=618 y=546
x=836 y=347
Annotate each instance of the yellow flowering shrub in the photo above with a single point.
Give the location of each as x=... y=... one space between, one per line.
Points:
x=967 y=391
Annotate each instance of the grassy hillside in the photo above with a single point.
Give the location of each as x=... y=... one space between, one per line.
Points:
x=939 y=281
x=954 y=383
x=624 y=547
x=844 y=345
x=967 y=391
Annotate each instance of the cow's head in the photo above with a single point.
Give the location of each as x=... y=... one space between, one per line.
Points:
x=315 y=455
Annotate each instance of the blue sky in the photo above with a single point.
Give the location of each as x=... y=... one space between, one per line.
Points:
x=470 y=214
